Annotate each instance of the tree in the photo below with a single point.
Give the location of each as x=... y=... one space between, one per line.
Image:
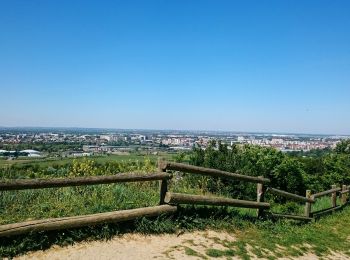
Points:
x=288 y=176
x=343 y=147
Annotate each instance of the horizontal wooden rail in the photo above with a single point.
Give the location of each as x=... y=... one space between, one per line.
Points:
x=289 y=195
x=21 y=184
x=180 y=198
x=210 y=172
x=326 y=192
x=296 y=217
x=344 y=192
x=84 y=220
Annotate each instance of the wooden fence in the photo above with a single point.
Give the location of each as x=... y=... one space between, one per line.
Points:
x=168 y=200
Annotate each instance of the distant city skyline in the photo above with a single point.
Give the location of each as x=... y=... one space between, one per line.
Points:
x=248 y=66
x=109 y=130
x=97 y=141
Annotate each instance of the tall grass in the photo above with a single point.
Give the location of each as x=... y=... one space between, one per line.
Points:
x=25 y=205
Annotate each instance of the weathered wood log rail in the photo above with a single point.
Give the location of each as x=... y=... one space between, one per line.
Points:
x=290 y=195
x=210 y=172
x=84 y=220
x=22 y=184
x=326 y=192
x=179 y=198
x=166 y=197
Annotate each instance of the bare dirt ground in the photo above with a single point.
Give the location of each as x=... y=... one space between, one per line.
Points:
x=133 y=246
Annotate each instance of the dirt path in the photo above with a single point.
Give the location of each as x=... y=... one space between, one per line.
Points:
x=133 y=246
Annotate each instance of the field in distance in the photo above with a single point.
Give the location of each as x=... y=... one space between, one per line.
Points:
x=46 y=162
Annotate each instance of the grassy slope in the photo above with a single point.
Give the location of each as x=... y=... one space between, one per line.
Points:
x=266 y=238
x=285 y=239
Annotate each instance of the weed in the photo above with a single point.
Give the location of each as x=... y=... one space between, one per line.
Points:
x=219 y=253
x=189 y=251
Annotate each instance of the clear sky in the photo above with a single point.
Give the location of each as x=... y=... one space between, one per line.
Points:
x=273 y=66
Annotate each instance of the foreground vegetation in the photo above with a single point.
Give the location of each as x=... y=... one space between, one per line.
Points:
x=272 y=240
x=254 y=237
x=268 y=239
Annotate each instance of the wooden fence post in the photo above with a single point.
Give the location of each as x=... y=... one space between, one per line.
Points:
x=344 y=196
x=334 y=197
x=260 y=193
x=308 y=204
x=163 y=183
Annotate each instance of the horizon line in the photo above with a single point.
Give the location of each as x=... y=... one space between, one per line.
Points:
x=182 y=130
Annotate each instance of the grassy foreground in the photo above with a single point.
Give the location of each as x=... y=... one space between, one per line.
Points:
x=261 y=238
x=254 y=237
x=286 y=239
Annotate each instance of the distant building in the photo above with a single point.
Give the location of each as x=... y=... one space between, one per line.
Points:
x=240 y=138
x=81 y=154
x=31 y=153
x=91 y=148
x=106 y=137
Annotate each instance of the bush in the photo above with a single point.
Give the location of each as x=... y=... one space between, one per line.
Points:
x=291 y=173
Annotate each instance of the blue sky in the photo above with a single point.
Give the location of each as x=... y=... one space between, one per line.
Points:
x=273 y=66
